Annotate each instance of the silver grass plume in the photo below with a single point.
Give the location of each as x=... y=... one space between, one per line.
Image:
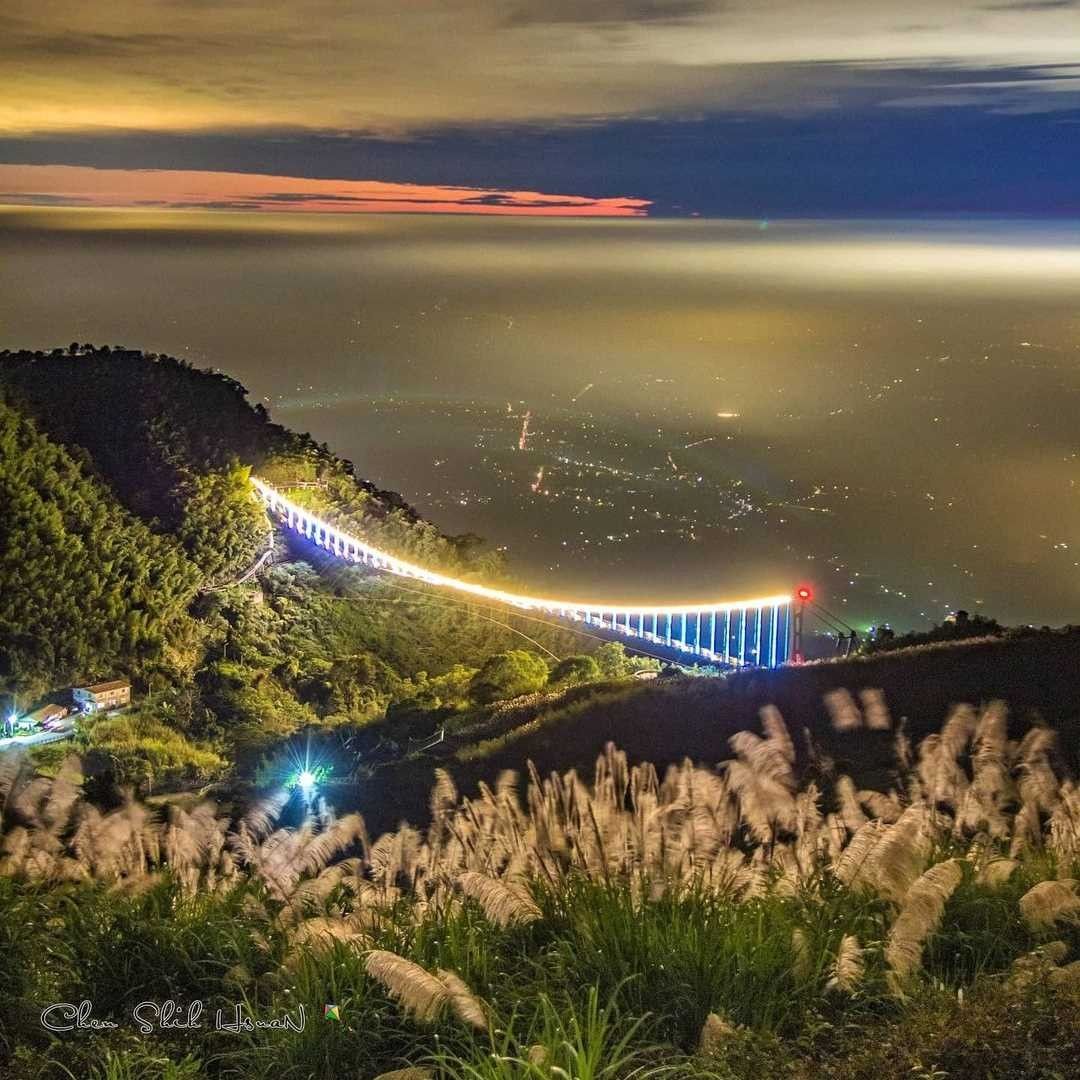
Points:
x=1026 y=830
x=764 y=756
x=851 y=813
x=882 y=807
x=900 y=857
x=996 y=872
x=501 y=904
x=801 y=960
x=1050 y=902
x=419 y=992
x=1064 y=839
x=843 y=711
x=716 y=1033
x=765 y=803
x=848 y=968
x=776 y=733
x=1036 y=779
x=854 y=864
x=919 y=917
x=463 y=1003
x=875 y=711
x=444 y=795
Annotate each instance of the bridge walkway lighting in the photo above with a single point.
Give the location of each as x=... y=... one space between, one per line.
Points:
x=671 y=624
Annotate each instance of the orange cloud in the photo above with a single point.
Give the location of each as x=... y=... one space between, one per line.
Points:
x=70 y=185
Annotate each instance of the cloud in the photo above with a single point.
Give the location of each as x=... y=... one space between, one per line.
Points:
x=553 y=12
x=1032 y=5
x=393 y=68
x=66 y=185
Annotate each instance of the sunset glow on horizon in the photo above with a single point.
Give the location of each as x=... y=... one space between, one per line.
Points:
x=174 y=189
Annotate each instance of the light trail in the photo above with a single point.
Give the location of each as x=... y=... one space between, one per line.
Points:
x=750 y=631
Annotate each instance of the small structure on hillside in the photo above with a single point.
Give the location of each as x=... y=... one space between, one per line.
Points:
x=48 y=713
x=102 y=696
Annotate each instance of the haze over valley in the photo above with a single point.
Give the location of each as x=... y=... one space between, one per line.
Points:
x=645 y=408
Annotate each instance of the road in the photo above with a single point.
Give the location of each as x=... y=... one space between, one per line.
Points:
x=64 y=730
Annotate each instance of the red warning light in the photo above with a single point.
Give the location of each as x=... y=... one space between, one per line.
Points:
x=804 y=593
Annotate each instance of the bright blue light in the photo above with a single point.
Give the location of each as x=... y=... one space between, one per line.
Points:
x=306 y=780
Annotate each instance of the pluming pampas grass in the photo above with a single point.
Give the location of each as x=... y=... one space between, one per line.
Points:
x=422 y=994
x=736 y=833
x=848 y=968
x=501 y=904
x=918 y=918
x=1050 y=902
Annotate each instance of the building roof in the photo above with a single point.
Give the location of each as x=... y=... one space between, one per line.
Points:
x=48 y=710
x=105 y=687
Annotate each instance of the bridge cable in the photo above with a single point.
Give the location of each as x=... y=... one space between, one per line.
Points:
x=837 y=621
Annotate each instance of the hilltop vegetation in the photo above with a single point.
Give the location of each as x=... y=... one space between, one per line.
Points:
x=720 y=923
x=81 y=578
x=174 y=441
x=127 y=475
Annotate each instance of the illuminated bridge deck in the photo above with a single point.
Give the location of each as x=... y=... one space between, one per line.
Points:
x=729 y=632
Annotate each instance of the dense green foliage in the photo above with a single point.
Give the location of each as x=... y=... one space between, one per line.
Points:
x=142 y=752
x=85 y=588
x=346 y=651
x=131 y=516
x=575 y=670
x=222 y=526
x=509 y=674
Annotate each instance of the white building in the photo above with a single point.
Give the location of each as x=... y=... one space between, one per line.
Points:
x=102 y=696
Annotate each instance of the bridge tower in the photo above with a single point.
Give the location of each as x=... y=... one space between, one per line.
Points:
x=803 y=596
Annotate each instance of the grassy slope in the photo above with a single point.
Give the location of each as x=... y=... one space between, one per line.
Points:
x=669 y=719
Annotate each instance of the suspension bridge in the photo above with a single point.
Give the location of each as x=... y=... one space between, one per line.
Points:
x=734 y=633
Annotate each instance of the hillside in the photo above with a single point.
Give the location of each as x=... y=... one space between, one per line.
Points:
x=667 y=720
x=83 y=582
x=862 y=894
x=128 y=475
x=367 y=667
x=685 y=923
x=175 y=444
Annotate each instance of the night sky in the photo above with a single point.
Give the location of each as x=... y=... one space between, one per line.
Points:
x=880 y=396
x=671 y=107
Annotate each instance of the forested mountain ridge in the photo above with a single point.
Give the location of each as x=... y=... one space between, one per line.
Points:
x=176 y=444
x=131 y=517
x=81 y=578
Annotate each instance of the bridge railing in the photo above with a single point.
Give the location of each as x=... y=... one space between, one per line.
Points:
x=733 y=633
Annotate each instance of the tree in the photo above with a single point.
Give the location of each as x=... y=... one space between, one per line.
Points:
x=574 y=670
x=222 y=527
x=612 y=660
x=360 y=685
x=507 y=675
